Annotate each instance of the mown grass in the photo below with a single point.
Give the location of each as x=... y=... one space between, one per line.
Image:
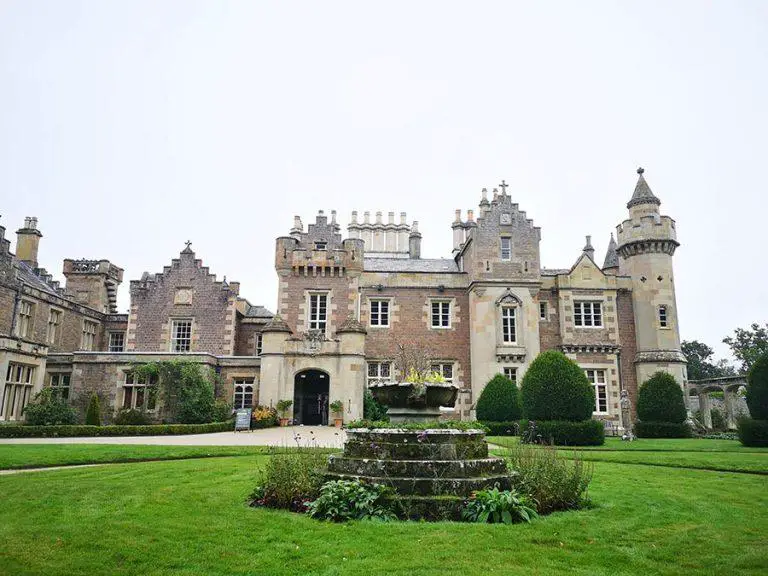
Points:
x=190 y=517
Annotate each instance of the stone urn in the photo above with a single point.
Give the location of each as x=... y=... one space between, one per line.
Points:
x=410 y=402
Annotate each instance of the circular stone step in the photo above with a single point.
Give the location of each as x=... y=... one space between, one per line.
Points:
x=471 y=468
x=431 y=486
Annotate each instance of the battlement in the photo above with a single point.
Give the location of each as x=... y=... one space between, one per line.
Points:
x=102 y=267
x=653 y=228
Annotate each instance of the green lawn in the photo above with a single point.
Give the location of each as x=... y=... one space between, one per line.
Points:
x=652 y=445
x=190 y=517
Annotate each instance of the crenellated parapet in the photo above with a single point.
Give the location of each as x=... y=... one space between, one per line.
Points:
x=381 y=239
x=647 y=234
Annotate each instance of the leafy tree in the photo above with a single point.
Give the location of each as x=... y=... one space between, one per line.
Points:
x=93 y=414
x=372 y=410
x=749 y=345
x=661 y=400
x=700 y=365
x=186 y=390
x=555 y=388
x=499 y=401
x=757 y=389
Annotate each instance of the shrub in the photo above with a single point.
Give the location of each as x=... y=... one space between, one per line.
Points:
x=131 y=418
x=290 y=480
x=502 y=428
x=47 y=409
x=661 y=400
x=337 y=408
x=343 y=500
x=554 y=482
x=499 y=401
x=93 y=414
x=187 y=390
x=662 y=430
x=757 y=389
x=264 y=417
x=372 y=410
x=753 y=432
x=69 y=431
x=222 y=410
x=555 y=388
x=499 y=507
x=563 y=433
x=283 y=406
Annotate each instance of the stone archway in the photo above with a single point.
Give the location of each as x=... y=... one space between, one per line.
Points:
x=728 y=385
x=310 y=397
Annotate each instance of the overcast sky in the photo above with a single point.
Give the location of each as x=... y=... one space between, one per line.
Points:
x=130 y=127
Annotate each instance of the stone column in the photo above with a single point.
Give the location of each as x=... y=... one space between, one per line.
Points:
x=705 y=407
x=730 y=417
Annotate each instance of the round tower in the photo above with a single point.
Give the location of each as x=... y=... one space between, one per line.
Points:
x=646 y=243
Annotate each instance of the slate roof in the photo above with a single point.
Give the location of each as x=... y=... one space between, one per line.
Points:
x=258 y=312
x=27 y=276
x=611 y=256
x=643 y=194
x=432 y=265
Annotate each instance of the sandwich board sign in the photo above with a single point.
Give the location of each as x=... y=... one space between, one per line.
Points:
x=243 y=419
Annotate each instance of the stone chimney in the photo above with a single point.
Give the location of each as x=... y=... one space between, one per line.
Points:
x=414 y=241
x=28 y=241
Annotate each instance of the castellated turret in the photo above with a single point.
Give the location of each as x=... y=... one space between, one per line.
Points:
x=646 y=243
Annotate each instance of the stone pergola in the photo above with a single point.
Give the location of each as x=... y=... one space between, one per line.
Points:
x=728 y=385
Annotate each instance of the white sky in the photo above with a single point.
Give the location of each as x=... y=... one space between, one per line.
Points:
x=130 y=127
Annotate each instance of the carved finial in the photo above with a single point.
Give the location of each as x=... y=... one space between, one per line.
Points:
x=640 y=170
x=503 y=187
x=188 y=243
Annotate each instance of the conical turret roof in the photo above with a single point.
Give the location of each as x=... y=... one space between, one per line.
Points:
x=643 y=194
x=611 y=256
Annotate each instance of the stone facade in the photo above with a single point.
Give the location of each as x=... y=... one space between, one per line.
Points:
x=345 y=304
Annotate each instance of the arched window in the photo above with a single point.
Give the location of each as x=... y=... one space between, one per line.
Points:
x=663 y=318
x=243 y=395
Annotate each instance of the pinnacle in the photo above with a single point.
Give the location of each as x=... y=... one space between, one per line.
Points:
x=612 y=255
x=642 y=194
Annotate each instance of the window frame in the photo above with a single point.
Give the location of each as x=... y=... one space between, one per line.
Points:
x=174 y=337
x=441 y=314
x=242 y=383
x=26 y=315
x=314 y=320
x=110 y=345
x=663 y=316
x=259 y=343
x=594 y=313
x=597 y=385
x=148 y=388
x=379 y=312
x=441 y=369
x=505 y=370
x=17 y=391
x=508 y=249
x=378 y=378
x=58 y=388
x=88 y=337
x=543 y=310
x=512 y=329
x=53 y=335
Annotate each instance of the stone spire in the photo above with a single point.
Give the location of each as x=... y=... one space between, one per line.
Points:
x=588 y=249
x=611 y=256
x=643 y=194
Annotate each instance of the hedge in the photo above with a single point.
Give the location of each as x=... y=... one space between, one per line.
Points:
x=566 y=433
x=661 y=400
x=753 y=432
x=555 y=388
x=499 y=401
x=757 y=389
x=70 y=431
x=502 y=428
x=662 y=430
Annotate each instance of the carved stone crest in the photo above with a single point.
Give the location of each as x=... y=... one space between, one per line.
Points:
x=313 y=340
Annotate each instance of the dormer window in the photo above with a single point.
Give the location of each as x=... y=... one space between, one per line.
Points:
x=320 y=245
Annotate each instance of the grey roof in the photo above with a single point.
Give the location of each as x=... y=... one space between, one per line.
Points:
x=258 y=312
x=643 y=194
x=611 y=256
x=27 y=276
x=554 y=271
x=433 y=265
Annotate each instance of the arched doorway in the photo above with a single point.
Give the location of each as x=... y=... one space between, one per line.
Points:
x=310 y=398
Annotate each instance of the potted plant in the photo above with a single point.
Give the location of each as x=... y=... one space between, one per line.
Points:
x=282 y=409
x=337 y=407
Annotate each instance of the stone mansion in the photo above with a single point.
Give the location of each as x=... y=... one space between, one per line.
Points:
x=344 y=305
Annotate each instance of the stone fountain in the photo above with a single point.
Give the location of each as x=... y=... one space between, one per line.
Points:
x=433 y=471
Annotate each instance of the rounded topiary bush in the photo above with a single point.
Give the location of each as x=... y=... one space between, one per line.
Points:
x=499 y=401
x=757 y=389
x=556 y=388
x=661 y=400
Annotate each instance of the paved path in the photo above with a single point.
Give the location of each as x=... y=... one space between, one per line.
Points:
x=321 y=436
